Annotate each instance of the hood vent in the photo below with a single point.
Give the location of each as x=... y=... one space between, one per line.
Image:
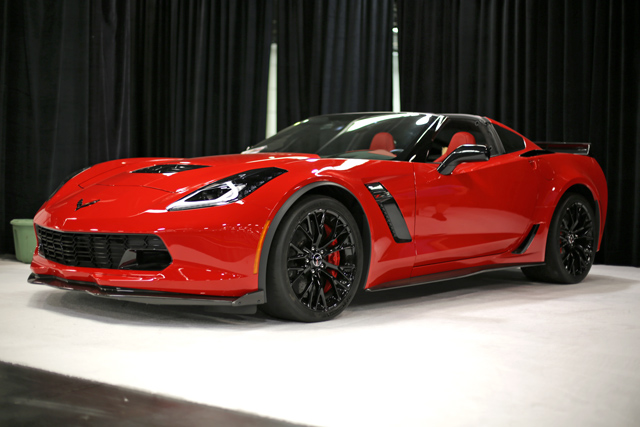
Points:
x=170 y=169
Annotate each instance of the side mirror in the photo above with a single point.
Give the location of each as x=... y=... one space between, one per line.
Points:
x=463 y=154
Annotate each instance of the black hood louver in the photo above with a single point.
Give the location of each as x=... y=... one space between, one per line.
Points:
x=169 y=168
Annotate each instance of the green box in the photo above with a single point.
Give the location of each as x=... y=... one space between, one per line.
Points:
x=24 y=238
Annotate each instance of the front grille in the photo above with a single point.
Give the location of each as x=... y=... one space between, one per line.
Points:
x=101 y=250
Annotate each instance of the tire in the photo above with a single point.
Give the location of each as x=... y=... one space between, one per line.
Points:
x=571 y=243
x=316 y=263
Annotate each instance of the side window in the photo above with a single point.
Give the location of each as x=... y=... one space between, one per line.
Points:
x=510 y=141
x=442 y=141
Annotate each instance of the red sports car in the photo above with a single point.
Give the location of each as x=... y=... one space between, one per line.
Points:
x=300 y=222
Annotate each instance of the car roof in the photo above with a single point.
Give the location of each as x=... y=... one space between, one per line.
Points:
x=354 y=115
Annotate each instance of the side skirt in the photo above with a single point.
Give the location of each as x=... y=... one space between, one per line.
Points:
x=445 y=275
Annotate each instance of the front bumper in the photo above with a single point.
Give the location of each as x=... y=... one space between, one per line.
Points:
x=245 y=304
x=213 y=251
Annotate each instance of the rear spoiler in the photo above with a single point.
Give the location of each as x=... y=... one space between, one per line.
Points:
x=566 y=147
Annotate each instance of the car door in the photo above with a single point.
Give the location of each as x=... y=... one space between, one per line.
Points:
x=481 y=208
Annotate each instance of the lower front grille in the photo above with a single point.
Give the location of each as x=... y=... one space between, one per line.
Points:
x=102 y=250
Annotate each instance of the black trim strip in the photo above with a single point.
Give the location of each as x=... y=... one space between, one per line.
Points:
x=445 y=275
x=249 y=300
x=391 y=211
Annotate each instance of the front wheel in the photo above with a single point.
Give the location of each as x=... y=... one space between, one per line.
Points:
x=316 y=263
x=571 y=243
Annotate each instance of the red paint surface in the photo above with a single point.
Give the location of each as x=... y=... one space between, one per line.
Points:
x=474 y=217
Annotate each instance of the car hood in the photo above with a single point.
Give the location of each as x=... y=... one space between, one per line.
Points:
x=110 y=193
x=186 y=175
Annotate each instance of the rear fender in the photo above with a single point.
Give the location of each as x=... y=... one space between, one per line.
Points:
x=579 y=174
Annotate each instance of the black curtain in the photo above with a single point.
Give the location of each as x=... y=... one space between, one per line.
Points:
x=64 y=97
x=109 y=93
x=200 y=71
x=333 y=56
x=85 y=82
x=558 y=70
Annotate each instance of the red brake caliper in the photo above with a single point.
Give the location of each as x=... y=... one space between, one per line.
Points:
x=333 y=258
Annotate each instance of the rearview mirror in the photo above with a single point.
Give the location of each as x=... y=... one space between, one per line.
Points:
x=463 y=154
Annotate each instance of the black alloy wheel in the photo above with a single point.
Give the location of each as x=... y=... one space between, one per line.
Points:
x=316 y=262
x=571 y=243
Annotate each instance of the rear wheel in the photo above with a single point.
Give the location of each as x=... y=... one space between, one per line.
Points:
x=571 y=243
x=316 y=263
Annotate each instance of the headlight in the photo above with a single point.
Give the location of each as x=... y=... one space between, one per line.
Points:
x=227 y=190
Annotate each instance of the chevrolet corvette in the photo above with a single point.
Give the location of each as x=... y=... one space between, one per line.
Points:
x=335 y=204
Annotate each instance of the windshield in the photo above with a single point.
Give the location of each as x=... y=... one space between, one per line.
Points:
x=367 y=136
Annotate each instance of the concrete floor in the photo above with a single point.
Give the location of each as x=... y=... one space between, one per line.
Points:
x=493 y=349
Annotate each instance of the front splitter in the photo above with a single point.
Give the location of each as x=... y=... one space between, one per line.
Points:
x=246 y=304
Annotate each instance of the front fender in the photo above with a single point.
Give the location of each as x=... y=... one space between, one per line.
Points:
x=387 y=259
x=278 y=216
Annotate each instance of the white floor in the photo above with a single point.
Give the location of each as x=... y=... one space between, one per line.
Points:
x=493 y=349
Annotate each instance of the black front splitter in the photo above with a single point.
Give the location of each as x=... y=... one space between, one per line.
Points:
x=245 y=304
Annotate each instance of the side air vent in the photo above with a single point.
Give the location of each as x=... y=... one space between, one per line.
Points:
x=524 y=245
x=171 y=169
x=391 y=212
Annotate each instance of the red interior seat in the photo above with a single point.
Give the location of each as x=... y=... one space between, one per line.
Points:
x=458 y=139
x=382 y=141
